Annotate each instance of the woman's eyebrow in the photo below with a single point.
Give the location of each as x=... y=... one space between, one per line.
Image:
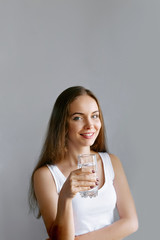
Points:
x=96 y=111
x=79 y=113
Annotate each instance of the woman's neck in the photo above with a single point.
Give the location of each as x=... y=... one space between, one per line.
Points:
x=72 y=154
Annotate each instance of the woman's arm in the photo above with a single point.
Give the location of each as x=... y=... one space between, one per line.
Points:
x=55 y=209
x=128 y=222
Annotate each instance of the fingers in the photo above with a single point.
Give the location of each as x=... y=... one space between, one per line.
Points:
x=85 y=177
x=84 y=170
x=84 y=184
x=78 y=186
x=80 y=189
x=80 y=175
x=81 y=181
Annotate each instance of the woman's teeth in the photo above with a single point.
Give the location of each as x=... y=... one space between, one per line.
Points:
x=87 y=134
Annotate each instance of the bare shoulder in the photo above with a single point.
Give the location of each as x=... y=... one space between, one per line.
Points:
x=42 y=172
x=46 y=195
x=117 y=165
x=42 y=178
x=125 y=202
x=115 y=160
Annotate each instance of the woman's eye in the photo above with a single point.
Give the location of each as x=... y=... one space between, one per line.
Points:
x=76 y=118
x=95 y=116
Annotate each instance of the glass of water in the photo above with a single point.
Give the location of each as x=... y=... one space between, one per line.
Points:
x=87 y=162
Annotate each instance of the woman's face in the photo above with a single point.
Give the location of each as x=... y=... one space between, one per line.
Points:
x=84 y=123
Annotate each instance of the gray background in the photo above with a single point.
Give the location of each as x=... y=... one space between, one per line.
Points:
x=111 y=47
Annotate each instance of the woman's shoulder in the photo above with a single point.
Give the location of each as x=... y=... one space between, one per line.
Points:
x=114 y=159
x=42 y=177
x=41 y=173
x=117 y=165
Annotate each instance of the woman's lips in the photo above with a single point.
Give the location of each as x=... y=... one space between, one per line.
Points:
x=87 y=135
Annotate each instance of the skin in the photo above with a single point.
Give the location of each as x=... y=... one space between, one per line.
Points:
x=84 y=126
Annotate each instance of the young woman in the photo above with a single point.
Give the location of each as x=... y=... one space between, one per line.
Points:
x=76 y=127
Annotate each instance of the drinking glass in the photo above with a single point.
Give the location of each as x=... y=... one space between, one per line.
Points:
x=87 y=162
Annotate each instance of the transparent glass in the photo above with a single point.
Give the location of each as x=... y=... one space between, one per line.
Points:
x=88 y=161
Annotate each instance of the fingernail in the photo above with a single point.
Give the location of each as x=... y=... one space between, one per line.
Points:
x=97 y=179
x=97 y=183
x=93 y=171
x=91 y=186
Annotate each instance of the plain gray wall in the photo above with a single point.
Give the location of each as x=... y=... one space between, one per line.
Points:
x=111 y=47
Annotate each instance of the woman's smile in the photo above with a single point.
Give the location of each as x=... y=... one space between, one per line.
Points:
x=87 y=135
x=84 y=123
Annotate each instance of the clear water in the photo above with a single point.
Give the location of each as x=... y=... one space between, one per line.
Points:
x=94 y=191
x=90 y=193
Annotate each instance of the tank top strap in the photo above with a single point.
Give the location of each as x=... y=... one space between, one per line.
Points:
x=108 y=168
x=58 y=177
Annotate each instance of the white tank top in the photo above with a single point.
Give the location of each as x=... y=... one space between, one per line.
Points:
x=92 y=213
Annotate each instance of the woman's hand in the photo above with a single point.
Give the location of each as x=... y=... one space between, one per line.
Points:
x=79 y=180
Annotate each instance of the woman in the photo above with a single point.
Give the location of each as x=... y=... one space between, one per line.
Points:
x=76 y=127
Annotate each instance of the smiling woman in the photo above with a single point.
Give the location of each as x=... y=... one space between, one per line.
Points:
x=84 y=123
x=76 y=127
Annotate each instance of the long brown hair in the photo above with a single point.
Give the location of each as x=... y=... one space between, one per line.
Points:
x=54 y=146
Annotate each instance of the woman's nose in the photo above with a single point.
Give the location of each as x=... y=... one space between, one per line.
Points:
x=88 y=124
